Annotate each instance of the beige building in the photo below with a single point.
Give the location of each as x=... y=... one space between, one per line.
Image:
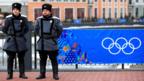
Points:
x=74 y=9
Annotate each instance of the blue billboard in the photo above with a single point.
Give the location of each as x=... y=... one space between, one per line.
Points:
x=99 y=46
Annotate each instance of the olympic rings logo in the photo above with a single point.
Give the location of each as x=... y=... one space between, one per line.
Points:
x=121 y=47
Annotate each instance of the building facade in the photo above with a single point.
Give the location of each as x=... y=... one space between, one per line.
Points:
x=136 y=8
x=62 y=9
x=75 y=9
x=110 y=8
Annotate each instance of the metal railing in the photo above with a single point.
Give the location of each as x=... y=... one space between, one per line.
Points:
x=3 y=56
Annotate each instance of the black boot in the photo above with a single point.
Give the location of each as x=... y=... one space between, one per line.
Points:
x=55 y=76
x=10 y=76
x=23 y=76
x=41 y=76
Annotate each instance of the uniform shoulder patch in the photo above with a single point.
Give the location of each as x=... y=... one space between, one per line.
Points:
x=23 y=15
x=56 y=17
x=8 y=16
x=40 y=17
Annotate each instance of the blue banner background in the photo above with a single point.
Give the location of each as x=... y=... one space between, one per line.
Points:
x=83 y=46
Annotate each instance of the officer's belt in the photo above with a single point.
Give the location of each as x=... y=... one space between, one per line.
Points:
x=48 y=37
x=15 y=35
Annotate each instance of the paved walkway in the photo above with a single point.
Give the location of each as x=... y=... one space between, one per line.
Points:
x=83 y=76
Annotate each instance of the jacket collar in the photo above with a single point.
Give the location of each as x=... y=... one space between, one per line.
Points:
x=47 y=17
x=17 y=17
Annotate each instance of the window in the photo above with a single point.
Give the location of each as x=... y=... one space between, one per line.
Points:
x=109 y=12
x=130 y=14
x=89 y=12
x=115 y=12
x=80 y=13
x=83 y=0
x=56 y=12
x=90 y=1
x=50 y=0
x=65 y=0
x=58 y=0
x=143 y=12
x=95 y=12
x=68 y=13
x=130 y=1
x=77 y=0
x=37 y=12
x=137 y=12
x=71 y=0
x=103 y=12
x=121 y=13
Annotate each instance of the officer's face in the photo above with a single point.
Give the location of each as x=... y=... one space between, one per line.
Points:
x=46 y=12
x=16 y=12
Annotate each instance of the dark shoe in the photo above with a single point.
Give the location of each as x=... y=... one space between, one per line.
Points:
x=23 y=76
x=9 y=77
x=41 y=77
x=56 y=77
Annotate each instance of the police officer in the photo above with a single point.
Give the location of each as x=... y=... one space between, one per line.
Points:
x=15 y=27
x=49 y=28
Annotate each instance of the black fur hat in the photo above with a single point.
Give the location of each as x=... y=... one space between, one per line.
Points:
x=17 y=6
x=47 y=6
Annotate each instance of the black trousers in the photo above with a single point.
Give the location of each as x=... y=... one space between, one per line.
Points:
x=43 y=61
x=10 y=61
